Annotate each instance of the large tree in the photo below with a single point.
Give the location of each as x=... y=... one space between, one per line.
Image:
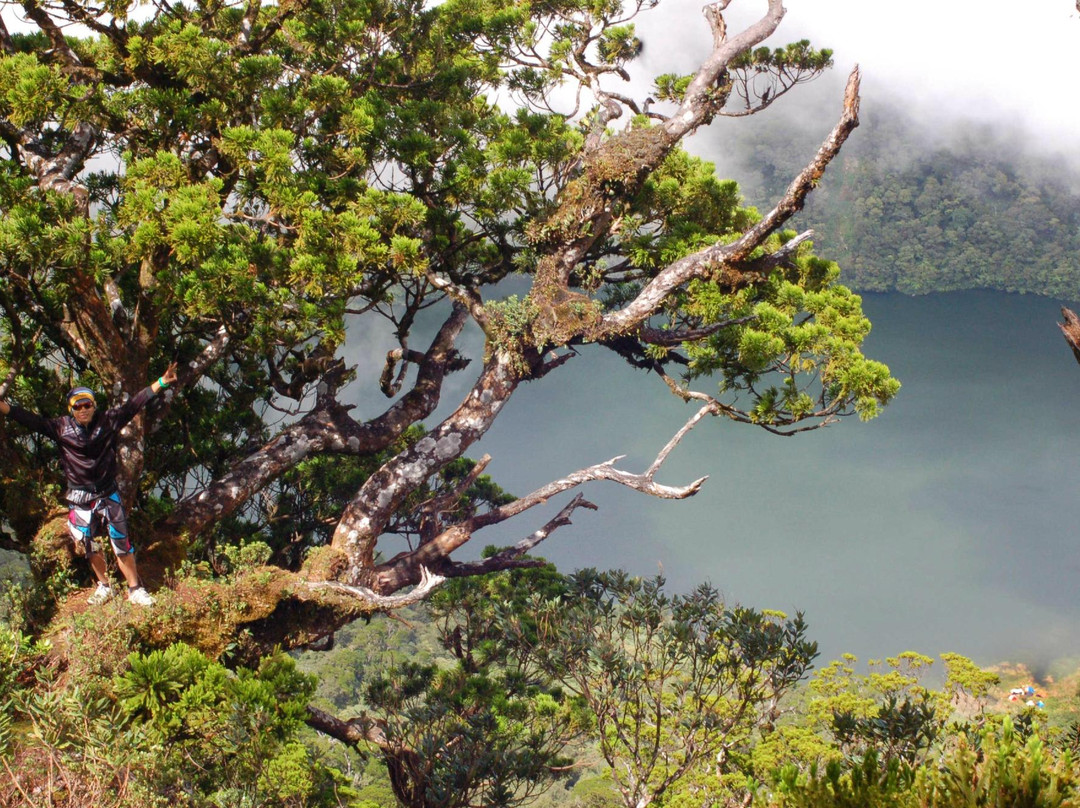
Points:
x=241 y=185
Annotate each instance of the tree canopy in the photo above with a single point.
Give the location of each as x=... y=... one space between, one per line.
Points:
x=241 y=186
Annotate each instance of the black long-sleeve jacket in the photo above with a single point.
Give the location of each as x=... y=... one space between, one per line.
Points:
x=88 y=454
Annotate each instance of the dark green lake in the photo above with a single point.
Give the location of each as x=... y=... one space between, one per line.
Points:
x=946 y=524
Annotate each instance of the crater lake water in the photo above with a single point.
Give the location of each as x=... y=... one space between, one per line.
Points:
x=946 y=524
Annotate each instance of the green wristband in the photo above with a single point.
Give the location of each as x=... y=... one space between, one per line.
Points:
x=162 y=383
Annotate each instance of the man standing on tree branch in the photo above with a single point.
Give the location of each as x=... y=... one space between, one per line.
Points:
x=87 y=440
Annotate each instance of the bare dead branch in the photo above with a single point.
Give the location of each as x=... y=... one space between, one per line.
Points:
x=401 y=570
x=795 y=196
x=428 y=583
x=511 y=556
x=645 y=483
x=697 y=103
x=554 y=360
x=705 y=262
x=708 y=409
x=608 y=111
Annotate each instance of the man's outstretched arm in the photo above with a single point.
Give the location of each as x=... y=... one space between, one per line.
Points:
x=125 y=412
x=31 y=420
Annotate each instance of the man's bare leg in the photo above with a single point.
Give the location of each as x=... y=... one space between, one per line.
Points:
x=126 y=563
x=97 y=564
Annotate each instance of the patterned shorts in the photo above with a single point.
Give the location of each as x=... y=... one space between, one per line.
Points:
x=88 y=521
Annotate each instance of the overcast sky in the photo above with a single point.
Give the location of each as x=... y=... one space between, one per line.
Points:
x=1018 y=60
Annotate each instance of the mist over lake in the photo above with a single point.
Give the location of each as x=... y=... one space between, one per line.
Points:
x=946 y=524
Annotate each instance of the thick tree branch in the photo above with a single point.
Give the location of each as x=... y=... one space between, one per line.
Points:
x=328 y=428
x=698 y=100
x=464 y=297
x=51 y=30
x=644 y=483
x=210 y=354
x=388 y=382
x=585 y=213
x=351 y=733
x=403 y=764
x=732 y=256
x=56 y=172
x=367 y=515
x=80 y=14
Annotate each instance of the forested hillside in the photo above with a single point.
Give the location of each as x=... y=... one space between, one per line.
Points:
x=903 y=209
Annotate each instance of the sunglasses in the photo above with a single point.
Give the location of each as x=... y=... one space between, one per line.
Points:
x=83 y=405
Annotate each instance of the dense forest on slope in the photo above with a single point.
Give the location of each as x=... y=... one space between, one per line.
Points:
x=912 y=211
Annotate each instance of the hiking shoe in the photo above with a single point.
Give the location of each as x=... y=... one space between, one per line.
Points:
x=140 y=597
x=100 y=595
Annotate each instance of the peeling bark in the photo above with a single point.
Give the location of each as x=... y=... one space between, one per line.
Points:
x=366 y=517
x=1070 y=329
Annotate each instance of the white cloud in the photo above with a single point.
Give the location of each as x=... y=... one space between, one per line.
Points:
x=987 y=58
